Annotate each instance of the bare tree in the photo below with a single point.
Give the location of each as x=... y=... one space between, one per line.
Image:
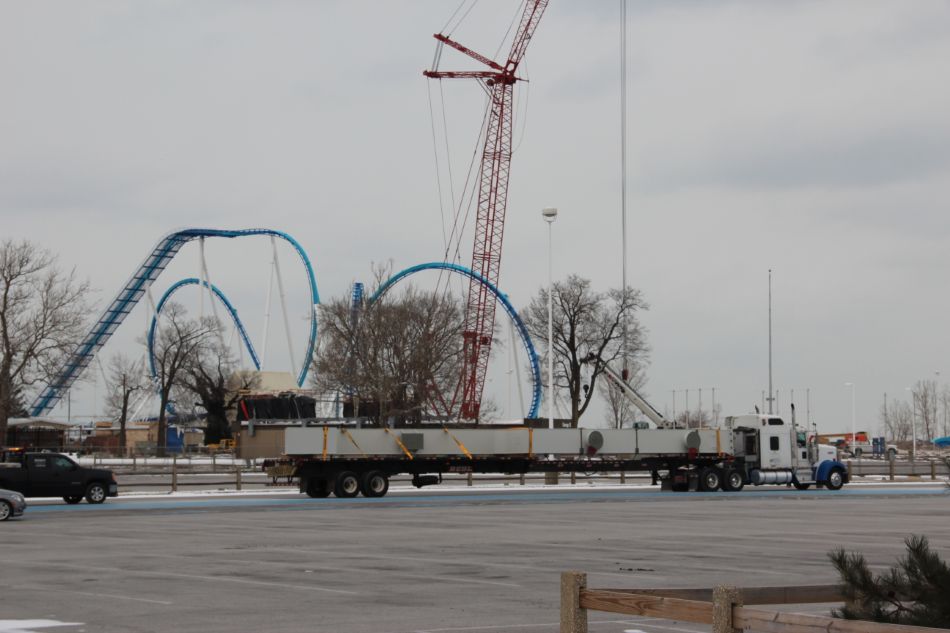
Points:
x=124 y=379
x=945 y=414
x=42 y=313
x=620 y=413
x=178 y=343
x=925 y=402
x=897 y=418
x=587 y=325
x=212 y=376
x=402 y=352
x=695 y=419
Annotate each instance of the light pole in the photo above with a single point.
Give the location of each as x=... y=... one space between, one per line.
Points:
x=550 y=214
x=913 y=424
x=853 y=435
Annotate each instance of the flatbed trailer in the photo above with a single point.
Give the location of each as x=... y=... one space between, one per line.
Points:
x=753 y=449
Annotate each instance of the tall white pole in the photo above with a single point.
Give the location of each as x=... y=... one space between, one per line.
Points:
x=913 y=424
x=771 y=393
x=853 y=435
x=623 y=166
x=549 y=214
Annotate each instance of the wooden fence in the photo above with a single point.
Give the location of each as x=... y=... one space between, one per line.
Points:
x=724 y=607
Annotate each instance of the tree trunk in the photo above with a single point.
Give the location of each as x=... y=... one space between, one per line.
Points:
x=123 y=418
x=162 y=440
x=6 y=403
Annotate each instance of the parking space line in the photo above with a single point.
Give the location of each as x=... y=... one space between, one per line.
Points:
x=140 y=572
x=84 y=593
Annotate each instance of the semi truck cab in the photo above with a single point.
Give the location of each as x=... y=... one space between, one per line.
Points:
x=775 y=452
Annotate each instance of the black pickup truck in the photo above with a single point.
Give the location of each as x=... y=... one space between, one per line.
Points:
x=55 y=475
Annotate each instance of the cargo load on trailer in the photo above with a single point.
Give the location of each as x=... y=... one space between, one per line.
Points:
x=754 y=449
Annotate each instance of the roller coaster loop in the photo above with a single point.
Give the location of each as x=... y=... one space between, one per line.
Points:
x=500 y=296
x=191 y=281
x=136 y=287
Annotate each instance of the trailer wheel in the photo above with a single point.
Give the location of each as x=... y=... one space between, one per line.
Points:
x=710 y=479
x=347 y=485
x=374 y=484
x=318 y=487
x=733 y=481
x=835 y=479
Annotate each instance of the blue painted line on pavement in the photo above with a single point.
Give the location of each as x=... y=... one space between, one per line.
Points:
x=469 y=498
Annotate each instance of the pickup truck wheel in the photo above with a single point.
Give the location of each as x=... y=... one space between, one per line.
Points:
x=710 y=479
x=72 y=499
x=374 y=484
x=318 y=488
x=5 y=511
x=347 y=485
x=96 y=493
x=835 y=479
x=733 y=481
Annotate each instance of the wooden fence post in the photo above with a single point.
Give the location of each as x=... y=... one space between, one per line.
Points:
x=573 y=617
x=470 y=479
x=522 y=479
x=174 y=474
x=573 y=477
x=623 y=477
x=133 y=464
x=724 y=599
x=933 y=470
x=890 y=469
x=214 y=465
x=237 y=471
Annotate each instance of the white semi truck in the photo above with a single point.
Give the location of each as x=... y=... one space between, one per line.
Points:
x=347 y=460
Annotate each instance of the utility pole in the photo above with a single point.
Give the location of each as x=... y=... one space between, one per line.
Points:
x=770 y=342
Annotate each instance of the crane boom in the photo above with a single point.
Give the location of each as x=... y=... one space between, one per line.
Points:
x=633 y=396
x=494 y=173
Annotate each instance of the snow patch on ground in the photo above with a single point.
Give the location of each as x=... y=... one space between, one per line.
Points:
x=27 y=626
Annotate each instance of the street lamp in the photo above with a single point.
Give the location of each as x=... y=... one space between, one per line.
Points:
x=913 y=424
x=550 y=214
x=854 y=438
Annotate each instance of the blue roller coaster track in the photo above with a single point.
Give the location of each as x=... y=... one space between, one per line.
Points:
x=133 y=291
x=191 y=281
x=500 y=296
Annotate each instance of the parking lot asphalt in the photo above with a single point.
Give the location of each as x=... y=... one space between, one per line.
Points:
x=462 y=560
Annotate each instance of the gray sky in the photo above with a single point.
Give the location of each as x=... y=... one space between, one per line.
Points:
x=809 y=137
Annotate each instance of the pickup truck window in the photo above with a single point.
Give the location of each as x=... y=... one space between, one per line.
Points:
x=40 y=462
x=63 y=463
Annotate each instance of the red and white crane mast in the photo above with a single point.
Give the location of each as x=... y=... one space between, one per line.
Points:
x=492 y=201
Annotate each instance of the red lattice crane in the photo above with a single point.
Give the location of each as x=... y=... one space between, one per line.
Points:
x=492 y=201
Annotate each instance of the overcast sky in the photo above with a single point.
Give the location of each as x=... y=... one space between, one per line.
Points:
x=807 y=137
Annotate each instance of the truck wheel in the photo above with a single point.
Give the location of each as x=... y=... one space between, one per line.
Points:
x=710 y=479
x=96 y=493
x=857 y=453
x=835 y=479
x=72 y=499
x=318 y=488
x=800 y=486
x=347 y=485
x=6 y=511
x=733 y=481
x=374 y=484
